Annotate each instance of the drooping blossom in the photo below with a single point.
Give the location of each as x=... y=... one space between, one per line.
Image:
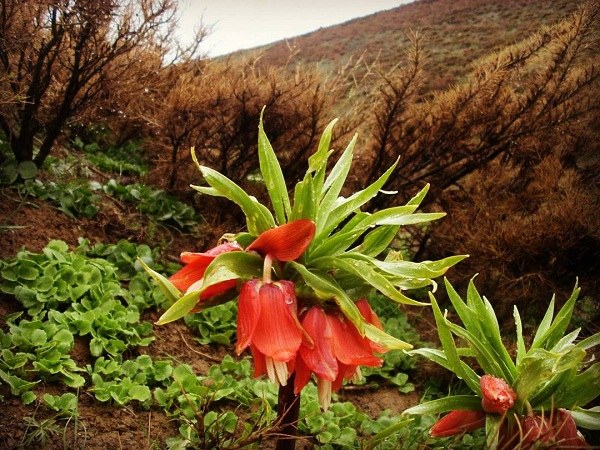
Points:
x=337 y=352
x=497 y=396
x=267 y=310
x=268 y=324
x=457 y=422
x=191 y=274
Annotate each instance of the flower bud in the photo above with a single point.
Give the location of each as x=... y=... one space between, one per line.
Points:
x=456 y=422
x=497 y=396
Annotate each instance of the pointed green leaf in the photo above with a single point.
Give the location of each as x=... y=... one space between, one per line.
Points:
x=325 y=287
x=381 y=337
x=167 y=288
x=365 y=271
x=272 y=175
x=521 y=351
x=492 y=430
x=450 y=403
x=447 y=341
x=411 y=219
x=589 y=342
x=581 y=390
x=587 y=418
x=180 y=308
x=304 y=200
x=378 y=240
x=352 y=203
x=559 y=325
x=544 y=325
x=258 y=216
x=418 y=198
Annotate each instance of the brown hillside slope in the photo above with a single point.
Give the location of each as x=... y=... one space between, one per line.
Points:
x=456 y=33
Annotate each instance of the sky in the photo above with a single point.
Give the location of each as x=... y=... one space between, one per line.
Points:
x=239 y=24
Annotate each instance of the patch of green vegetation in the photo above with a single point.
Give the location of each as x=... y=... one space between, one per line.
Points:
x=65 y=295
x=75 y=198
x=216 y=325
x=123 y=160
x=155 y=203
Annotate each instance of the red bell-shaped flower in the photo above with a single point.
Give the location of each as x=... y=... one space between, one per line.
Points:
x=267 y=322
x=497 y=396
x=195 y=266
x=286 y=242
x=456 y=422
x=337 y=351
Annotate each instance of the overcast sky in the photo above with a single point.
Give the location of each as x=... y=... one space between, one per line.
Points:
x=238 y=24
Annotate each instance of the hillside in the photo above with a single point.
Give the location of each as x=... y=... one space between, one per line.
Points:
x=456 y=32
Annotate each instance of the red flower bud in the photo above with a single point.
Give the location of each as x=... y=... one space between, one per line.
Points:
x=498 y=396
x=456 y=422
x=286 y=242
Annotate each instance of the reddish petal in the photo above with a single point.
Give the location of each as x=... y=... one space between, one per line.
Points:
x=497 y=396
x=371 y=317
x=189 y=274
x=456 y=422
x=285 y=242
x=249 y=309
x=303 y=374
x=260 y=366
x=320 y=358
x=536 y=428
x=565 y=430
x=277 y=334
x=344 y=373
x=217 y=289
x=196 y=264
x=350 y=347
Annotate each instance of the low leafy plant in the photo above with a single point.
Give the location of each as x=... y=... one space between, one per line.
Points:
x=155 y=203
x=77 y=294
x=124 y=160
x=123 y=382
x=75 y=198
x=215 y=325
x=535 y=397
x=65 y=404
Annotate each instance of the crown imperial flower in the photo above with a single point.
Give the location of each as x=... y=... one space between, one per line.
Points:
x=268 y=323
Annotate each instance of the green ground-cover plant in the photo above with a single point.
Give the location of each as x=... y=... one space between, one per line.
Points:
x=155 y=203
x=124 y=381
x=65 y=295
x=123 y=160
x=75 y=198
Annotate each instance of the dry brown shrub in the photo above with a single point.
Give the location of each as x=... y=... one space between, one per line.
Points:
x=215 y=107
x=59 y=57
x=512 y=158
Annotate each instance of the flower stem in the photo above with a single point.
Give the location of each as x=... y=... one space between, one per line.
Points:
x=288 y=409
x=267 y=267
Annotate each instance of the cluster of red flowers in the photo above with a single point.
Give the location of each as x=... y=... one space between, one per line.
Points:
x=287 y=334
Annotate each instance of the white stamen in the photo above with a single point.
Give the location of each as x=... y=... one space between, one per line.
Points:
x=357 y=375
x=277 y=371
x=324 y=393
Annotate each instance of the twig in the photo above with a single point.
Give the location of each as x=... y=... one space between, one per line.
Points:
x=204 y=355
